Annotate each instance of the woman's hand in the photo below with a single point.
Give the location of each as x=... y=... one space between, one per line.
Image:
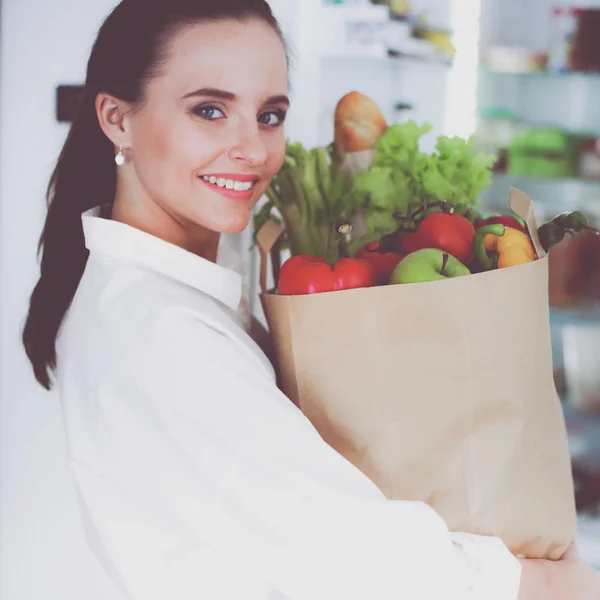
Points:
x=569 y=578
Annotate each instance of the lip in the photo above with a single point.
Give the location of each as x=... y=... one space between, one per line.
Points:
x=233 y=194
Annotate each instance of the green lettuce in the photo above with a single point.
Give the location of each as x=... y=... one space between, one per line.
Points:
x=403 y=180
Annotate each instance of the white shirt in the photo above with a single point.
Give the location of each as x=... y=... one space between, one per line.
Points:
x=199 y=479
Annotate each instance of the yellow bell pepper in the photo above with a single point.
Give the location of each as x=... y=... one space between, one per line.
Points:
x=498 y=246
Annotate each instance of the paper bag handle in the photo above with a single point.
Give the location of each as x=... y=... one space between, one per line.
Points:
x=268 y=240
x=522 y=204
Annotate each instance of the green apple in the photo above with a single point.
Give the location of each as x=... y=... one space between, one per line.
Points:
x=428 y=264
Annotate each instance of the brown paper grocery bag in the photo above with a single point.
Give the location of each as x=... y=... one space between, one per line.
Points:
x=441 y=392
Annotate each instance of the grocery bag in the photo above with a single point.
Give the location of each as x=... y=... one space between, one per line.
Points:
x=440 y=392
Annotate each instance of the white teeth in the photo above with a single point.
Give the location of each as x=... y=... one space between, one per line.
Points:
x=230 y=184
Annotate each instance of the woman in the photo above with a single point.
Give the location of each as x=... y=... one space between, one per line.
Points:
x=197 y=477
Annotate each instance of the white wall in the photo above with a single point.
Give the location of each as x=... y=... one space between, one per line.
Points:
x=43 y=551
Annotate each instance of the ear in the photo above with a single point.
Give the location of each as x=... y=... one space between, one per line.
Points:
x=111 y=114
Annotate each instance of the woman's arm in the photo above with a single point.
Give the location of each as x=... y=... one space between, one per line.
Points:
x=192 y=465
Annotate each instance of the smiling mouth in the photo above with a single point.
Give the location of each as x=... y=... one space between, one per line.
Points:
x=229 y=184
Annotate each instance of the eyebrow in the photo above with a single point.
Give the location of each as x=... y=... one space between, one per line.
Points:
x=231 y=97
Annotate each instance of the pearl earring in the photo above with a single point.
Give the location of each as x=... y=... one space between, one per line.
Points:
x=120 y=158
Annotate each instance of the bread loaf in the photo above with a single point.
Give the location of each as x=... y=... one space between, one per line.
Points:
x=358 y=123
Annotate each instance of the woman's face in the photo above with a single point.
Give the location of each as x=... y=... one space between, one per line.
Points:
x=209 y=137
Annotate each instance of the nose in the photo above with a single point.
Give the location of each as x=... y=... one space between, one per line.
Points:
x=249 y=146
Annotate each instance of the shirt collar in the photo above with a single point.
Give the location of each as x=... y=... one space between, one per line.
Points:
x=127 y=244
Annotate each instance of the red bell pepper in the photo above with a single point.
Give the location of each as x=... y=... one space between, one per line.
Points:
x=449 y=232
x=506 y=220
x=303 y=274
x=384 y=263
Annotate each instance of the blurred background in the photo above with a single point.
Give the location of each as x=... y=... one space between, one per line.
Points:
x=522 y=78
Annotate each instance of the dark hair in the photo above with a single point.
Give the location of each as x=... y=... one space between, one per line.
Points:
x=130 y=49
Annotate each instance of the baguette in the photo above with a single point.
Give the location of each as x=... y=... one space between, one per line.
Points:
x=359 y=124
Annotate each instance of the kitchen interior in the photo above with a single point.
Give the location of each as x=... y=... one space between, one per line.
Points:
x=523 y=80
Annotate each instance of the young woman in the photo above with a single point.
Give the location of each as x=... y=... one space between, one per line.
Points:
x=197 y=477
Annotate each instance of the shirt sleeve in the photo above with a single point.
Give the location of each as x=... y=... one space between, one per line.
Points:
x=196 y=466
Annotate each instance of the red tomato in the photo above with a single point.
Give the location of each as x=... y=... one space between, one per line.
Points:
x=383 y=262
x=408 y=243
x=451 y=233
x=303 y=274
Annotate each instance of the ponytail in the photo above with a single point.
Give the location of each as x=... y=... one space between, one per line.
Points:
x=84 y=177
